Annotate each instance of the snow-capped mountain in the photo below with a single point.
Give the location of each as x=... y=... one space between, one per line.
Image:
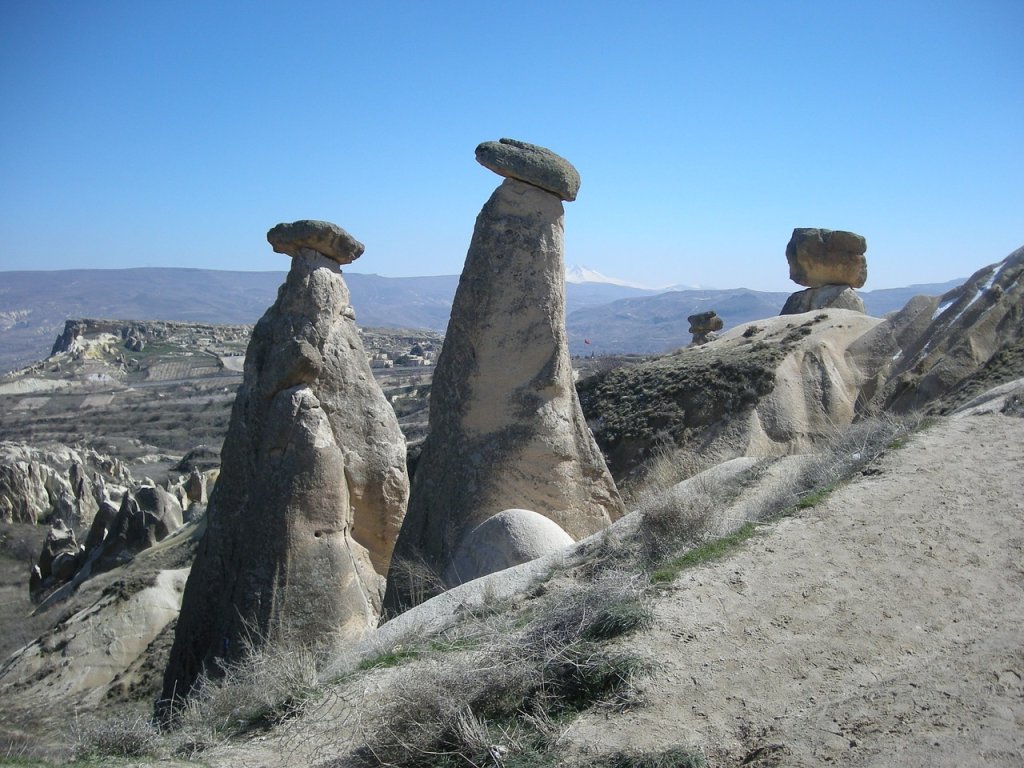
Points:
x=579 y=274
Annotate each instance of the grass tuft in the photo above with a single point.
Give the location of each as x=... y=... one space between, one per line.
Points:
x=713 y=550
x=390 y=658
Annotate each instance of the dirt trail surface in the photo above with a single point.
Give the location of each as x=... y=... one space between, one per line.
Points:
x=881 y=627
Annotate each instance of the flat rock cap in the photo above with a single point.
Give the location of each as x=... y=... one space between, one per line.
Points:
x=321 y=236
x=535 y=165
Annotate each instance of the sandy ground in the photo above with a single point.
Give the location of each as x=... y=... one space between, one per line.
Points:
x=882 y=627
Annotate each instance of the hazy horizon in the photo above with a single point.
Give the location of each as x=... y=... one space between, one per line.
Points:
x=346 y=270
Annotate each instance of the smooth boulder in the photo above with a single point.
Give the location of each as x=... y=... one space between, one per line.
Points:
x=509 y=538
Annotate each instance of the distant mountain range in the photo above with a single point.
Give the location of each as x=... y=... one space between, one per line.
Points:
x=613 y=316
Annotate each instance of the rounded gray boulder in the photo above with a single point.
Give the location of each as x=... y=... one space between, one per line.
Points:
x=509 y=538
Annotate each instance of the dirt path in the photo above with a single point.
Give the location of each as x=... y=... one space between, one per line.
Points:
x=883 y=627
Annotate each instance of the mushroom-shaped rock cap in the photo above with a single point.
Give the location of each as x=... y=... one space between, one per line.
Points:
x=820 y=257
x=705 y=321
x=321 y=236
x=535 y=165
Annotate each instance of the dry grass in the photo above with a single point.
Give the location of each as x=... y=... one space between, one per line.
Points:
x=128 y=735
x=268 y=686
x=504 y=701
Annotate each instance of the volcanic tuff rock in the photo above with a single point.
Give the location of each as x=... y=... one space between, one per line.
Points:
x=321 y=236
x=820 y=257
x=952 y=347
x=311 y=493
x=704 y=326
x=770 y=388
x=57 y=562
x=506 y=429
x=837 y=296
x=535 y=165
x=509 y=538
x=56 y=482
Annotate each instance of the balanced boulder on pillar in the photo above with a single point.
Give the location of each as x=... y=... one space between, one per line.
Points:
x=506 y=429
x=313 y=483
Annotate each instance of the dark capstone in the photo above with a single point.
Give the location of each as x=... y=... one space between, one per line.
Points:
x=321 y=236
x=535 y=165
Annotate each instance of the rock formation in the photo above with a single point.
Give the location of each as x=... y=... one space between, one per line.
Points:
x=535 y=165
x=509 y=538
x=506 y=429
x=146 y=517
x=313 y=485
x=823 y=297
x=831 y=263
x=968 y=340
x=57 y=482
x=774 y=387
x=57 y=563
x=705 y=326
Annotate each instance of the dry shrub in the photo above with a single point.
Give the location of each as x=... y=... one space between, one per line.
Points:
x=415 y=579
x=269 y=685
x=614 y=604
x=121 y=736
x=668 y=466
x=849 y=449
x=674 y=521
x=499 y=704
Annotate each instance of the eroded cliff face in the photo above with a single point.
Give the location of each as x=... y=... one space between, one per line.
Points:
x=957 y=345
x=506 y=428
x=312 y=490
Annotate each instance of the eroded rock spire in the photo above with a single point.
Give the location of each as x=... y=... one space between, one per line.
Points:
x=313 y=484
x=506 y=428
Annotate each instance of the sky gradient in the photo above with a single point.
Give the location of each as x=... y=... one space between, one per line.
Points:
x=177 y=133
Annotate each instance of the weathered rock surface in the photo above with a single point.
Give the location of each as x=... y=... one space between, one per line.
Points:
x=823 y=297
x=820 y=257
x=509 y=538
x=323 y=237
x=506 y=430
x=770 y=388
x=56 y=482
x=91 y=652
x=311 y=493
x=704 y=326
x=57 y=562
x=149 y=515
x=958 y=345
x=535 y=165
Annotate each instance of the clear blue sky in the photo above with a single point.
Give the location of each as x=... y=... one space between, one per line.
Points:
x=171 y=133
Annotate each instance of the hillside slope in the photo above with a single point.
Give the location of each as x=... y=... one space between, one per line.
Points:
x=881 y=627
x=878 y=628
